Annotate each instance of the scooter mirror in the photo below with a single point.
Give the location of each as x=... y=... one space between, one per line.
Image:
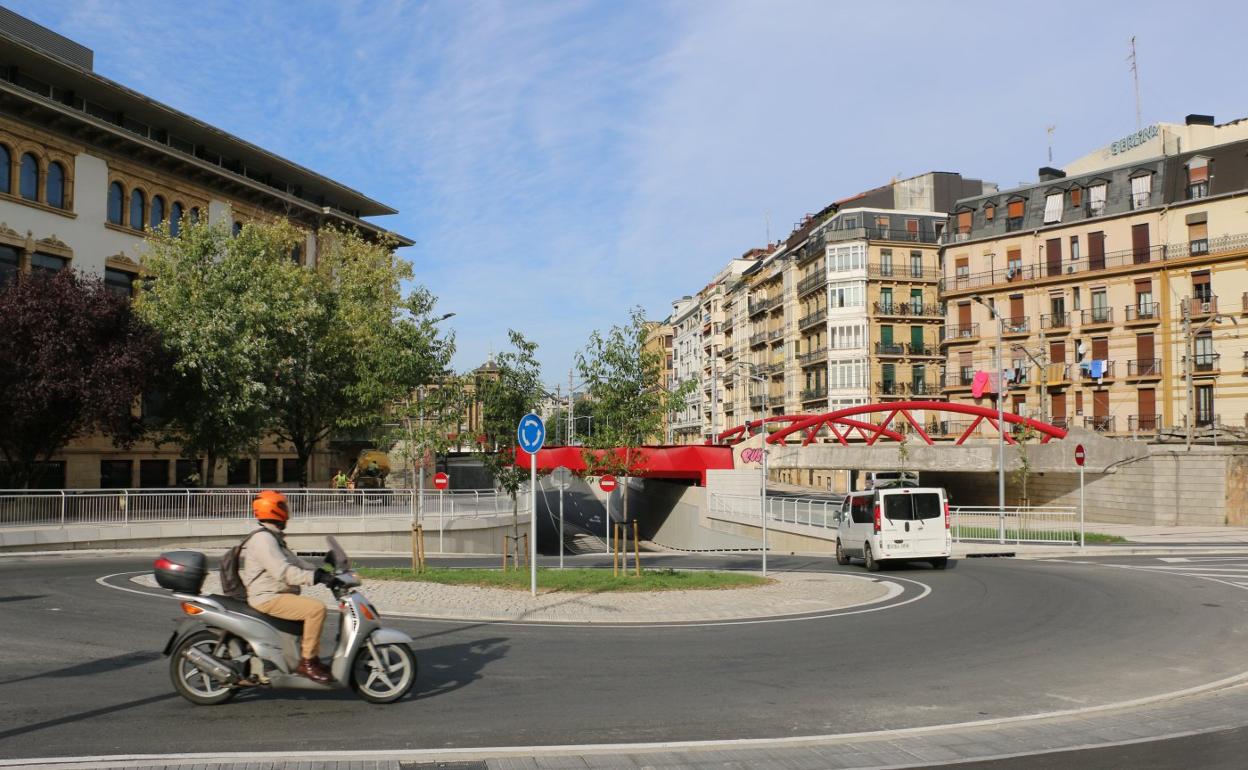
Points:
x=340 y=556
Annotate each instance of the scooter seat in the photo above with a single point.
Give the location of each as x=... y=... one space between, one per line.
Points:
x=294 y=627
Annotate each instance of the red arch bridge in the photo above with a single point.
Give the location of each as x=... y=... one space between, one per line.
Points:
x=864 y=425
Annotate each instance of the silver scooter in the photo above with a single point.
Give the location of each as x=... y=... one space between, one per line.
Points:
x=225 y=646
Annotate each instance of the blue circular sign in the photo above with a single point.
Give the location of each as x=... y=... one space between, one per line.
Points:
x=531 y=433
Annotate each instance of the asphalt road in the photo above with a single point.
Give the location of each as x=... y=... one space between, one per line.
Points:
x=81 y=672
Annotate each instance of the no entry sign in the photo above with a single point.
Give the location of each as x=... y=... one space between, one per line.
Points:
x=607 y=482
x=441 y=480
x=1079 y=454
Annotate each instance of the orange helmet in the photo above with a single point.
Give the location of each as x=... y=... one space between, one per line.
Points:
x=270 y=505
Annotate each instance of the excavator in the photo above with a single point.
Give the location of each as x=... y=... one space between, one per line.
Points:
x=371 y=469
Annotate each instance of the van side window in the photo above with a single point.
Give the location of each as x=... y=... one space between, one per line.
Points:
x=860 y=509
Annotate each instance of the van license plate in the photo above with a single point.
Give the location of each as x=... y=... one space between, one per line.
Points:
x=900 y=544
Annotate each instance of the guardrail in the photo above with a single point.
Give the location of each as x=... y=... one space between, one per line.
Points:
x=117 y=507
x=811 y=512
x=1035 y=525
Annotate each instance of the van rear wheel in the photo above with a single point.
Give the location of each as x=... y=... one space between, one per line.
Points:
x=841 y=557
x=868 y=558
x=939 y=563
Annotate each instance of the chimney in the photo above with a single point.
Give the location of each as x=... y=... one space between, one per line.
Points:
x=1199 y=120
x=1048 y=173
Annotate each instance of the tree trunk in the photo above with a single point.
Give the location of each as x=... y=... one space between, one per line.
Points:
x=210 y=473
x=515 y=529
x=303 y=452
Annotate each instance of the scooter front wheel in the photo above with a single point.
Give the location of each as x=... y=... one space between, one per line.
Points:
x=383 y=673
x=191 y=683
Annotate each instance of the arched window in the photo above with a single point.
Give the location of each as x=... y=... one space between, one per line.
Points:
x=238 y=227
x=5 y=168
x=194 y=213
x=56 y=185
x=116 y=197
x=175 y=219
x=28 y=185
x=158 y=211
x=138 y=206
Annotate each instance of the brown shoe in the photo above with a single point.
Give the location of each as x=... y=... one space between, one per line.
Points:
x=315 y=670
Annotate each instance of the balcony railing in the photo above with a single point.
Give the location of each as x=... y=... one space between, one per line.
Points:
x=903 y=272
x=1199 y=307
x=963 y=332
x=1144 y=367
x=921 y=388
x=1106 y=373
x=1206 y=362
x=758 y=339
x=813 y=318
x=1100 y=424
x=727 y=351
x=888 y=388
x=814 y=394
x=1108 y=261
x=908 y=309
x=1055 y=321
x=960 y=379
x=763 y=305
x=757 y=401
x=922 y=350
x=775 y=334
x=811 y=282
x=1096 y=316
x=1055 y=374
x=812 y=249
x=890 y=349
x=813 y=357
x=1020 y=324
x=1143 y=423
x=881 y=234
x=1143 y=311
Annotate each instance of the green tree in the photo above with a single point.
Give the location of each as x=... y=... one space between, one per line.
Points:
x=623 y=378
x=508 y=394
x=428 y=420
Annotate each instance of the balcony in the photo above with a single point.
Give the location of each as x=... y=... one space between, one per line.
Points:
x=1096 y=316
x=1200 y=307
x=1085 y=372
x=758 y=339
x=811 y=282
x=1144 y=369
x=764 y=304
x=727 y=325
x=814 y=394
x=728 y=352
x=902 y=272
x=1057 y=374
x=890 y=388
x=963 y=333
x=908 y=309
x=757 y=402
x=812 y=249
x=813 y=357
x=923 y=351
x=1144 y=423
x=1017 y=326
x=959 y=379
x=1142 y=314
x=1055 y=323
x=775 y=334
x=819 y=316
x=1099 y=423
x=1020 y=380
x=921 y=388
x=882 y=234
x=1060 y=422
x=890 y=349
x=1206 y=364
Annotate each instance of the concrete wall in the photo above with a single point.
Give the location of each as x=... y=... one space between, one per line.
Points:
x=673 y=516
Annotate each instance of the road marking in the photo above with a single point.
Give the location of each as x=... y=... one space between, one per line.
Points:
x=1175 y=558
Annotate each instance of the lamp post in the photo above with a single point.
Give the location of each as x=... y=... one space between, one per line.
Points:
x=762 y=424
x=1000 y=422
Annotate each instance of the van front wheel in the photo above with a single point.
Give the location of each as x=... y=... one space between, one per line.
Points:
x=841 y=557
x=869 y=558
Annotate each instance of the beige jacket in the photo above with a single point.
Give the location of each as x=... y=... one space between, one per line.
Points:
x=269 y=569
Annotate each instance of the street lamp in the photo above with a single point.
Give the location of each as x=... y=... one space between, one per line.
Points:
x=1000 y=421
x=762 y=424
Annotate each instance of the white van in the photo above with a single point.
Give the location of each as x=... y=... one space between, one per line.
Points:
x=895 y=523
x=877 y=479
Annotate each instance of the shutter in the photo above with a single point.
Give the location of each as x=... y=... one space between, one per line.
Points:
x=1147 y=408
x=1058 y=403
x=964 y=315
x=1139 y=243
x=989 y=212
x=1057 y=352
x=916 y=338
x=1078 y=402
x=964 y=221
x=1100 y=403
x=912 y=226
x=1076 y=196
x=1144 y=352
x=1053 y=256
x=1015 y=209
x=1200 y=279
x=1016 y=308
x=1096 y=250
x=1198 y=232
x=1197 y=174
x=1100 y=348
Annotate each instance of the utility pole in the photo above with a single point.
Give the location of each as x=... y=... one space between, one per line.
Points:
x=1041 y=381
x=1189 y=342
x=571 y=411
x=1135 y=76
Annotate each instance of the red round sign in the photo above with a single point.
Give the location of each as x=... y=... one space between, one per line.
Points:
x=607 y=483
x=1079 y=454
x=441 y=480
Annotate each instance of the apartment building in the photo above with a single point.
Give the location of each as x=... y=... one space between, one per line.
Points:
x=88 y=165
x=686 y=320
x=1109 y=287
x=659 y=340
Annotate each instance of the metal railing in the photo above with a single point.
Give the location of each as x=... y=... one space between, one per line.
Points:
x=1019 y=324
x=1100 y=424
x=1143 y=423
x=119 y=507
x=1096 y=316
x=814 y=394
x=1045 y=524
x=1198 y=307
x=1207 y=362
x=890 y=349
x=908 y=309
x=903 y=272
x=788 y=510
x=812 y=282
x=962 y=332
x=882 y=234
x=758 y=339
x=923 y=350
x=1107 y=371
x=813 y=357
x=1055 y=321
x=1143 y=311
x=1144 y=367
x=812 y=319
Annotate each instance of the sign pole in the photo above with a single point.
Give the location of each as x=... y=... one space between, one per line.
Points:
x=533 y=521
x=441 y=525
x=561 y=526
x=1081 y=533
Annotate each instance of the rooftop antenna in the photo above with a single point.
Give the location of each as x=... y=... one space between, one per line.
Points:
x=767 y=223
x=1135 y=76
x=1049 y=130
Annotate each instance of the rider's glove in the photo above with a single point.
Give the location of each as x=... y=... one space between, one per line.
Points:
x=324 y=578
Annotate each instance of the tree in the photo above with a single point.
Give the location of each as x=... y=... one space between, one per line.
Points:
x=507 y=395
x=623 y=377
x=73 y=361
x=428 y=420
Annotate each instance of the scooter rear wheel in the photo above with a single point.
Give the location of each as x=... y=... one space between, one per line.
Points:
x=191 y=683
x=388 y=677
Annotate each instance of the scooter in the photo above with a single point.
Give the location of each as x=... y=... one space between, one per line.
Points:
x=225 y=646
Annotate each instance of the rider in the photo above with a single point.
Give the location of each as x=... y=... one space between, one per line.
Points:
x=273 y=574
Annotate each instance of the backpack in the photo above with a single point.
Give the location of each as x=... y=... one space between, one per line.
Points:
x=231 y=582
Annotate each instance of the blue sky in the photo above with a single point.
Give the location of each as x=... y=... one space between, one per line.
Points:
x=559 y=162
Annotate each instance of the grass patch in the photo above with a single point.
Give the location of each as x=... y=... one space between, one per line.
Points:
x=990 y=533
x=589 y=581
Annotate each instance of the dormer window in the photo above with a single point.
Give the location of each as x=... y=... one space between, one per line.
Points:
x=1014 y=214
x=1053 y=207
x=1097 y=194
x=1141 y=190
x=990 y=211
x=1076 y=197
x=1197 y=177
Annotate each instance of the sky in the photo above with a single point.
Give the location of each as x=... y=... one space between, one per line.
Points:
x=559 y=163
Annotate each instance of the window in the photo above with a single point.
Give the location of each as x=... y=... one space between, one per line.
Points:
x=964 y=222
x=845 y=295
x=916 y=264
x=1074 y=248
x=158 y=211
x=194 y=213
x=1053 y=208
x=6 y=161
x=290 y=469
x=1014 y=215
x=10 y=264
x=188 y=472
x=1096 y=199
x=1144 y=298
x=916 y=302
x=860 y=509
x=1202 y=286
x=115 y=474
x=268 y=470
x=1198 y=238
x=1076 y=197
x=886 y=261
x=962 y=268
x=116 y=198
x=175 y=219
x=1204 y=405
x=1075 y=296
x=238 y=228
x=1057 y=308
x=1197 y=178
x=1141 y=189
x=28 y=182
x=138 y=209
x=886 y=300
x=153 y=473
x=1100 y=306
x=912 y=507
x=47 y=263
x=238 y=472
x=55 y=192
x=990 y=212
x=119 y=282
x=1014 y=264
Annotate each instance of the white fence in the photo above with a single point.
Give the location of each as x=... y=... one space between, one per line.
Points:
x=1034 y=525
x=41 y=508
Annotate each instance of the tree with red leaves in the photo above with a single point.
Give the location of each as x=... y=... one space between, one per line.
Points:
x=73 y=361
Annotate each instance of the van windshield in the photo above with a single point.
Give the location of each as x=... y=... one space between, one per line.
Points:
x=912 y=507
